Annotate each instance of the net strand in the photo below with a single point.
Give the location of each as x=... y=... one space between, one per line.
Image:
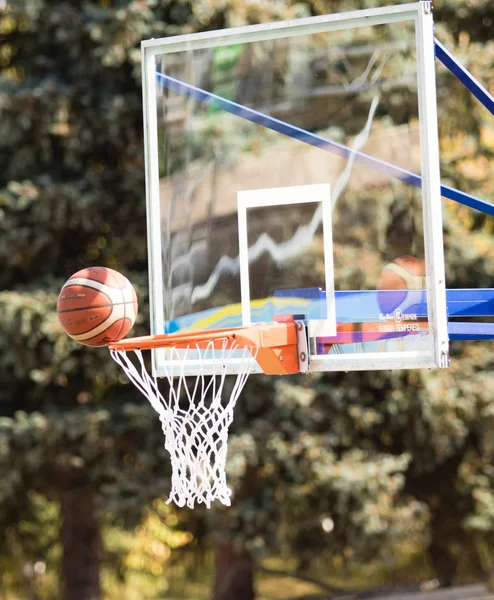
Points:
x=195 y=415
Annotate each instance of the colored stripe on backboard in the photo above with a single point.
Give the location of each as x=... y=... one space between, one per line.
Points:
x=359 y=306
x=351 y=306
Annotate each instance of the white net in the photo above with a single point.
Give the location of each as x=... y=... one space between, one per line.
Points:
x=195 y=414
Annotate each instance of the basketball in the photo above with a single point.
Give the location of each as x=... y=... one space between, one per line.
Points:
x=403 y=273
x=97 y=306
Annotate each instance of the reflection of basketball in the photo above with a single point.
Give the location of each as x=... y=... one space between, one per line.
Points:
x=403 y=273
x=97 y=306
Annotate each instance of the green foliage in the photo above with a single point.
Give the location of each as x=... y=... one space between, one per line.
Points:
x=144 y=553
x=28 y=550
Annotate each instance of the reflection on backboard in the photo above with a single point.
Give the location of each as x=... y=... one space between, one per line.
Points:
x=292 y=169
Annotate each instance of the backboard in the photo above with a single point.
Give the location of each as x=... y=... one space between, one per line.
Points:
x=292 y=168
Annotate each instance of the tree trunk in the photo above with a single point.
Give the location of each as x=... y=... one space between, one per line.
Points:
x=234 y=573
x=81 y=544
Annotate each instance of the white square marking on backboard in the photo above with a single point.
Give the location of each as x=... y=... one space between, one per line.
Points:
x=282 y=196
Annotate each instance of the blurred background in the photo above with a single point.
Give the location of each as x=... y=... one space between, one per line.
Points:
x=350 y=485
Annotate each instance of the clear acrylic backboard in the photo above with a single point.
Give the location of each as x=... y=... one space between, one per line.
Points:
x=292 y=168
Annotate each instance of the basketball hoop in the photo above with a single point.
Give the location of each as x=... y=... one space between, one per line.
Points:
x=197 y=410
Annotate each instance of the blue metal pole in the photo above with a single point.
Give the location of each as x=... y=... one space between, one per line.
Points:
x=463 y=75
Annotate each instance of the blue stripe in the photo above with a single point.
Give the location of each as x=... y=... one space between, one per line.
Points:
x=317 y=141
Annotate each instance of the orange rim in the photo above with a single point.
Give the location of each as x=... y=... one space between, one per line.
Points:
x=179 y=340
x=274 y=345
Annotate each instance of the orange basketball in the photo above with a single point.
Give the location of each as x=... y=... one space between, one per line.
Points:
x=403 y=273
x=97 y=306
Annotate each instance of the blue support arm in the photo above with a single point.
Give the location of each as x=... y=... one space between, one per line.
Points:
x=463 y=75
x=471 y=331
x=364 y=305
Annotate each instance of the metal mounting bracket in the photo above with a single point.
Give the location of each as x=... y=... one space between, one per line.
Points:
x=302 y=346
x=427 y=4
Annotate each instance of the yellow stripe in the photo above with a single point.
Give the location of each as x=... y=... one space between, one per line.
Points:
x=232 y=310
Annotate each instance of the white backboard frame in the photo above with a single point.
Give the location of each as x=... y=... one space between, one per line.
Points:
x=420 y=13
